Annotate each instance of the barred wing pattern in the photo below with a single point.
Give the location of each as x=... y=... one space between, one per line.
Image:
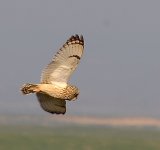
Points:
x=64 y=62
x=51 y=104
x=59 y=71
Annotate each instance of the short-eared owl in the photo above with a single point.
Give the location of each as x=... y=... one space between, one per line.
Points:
x=53 y=90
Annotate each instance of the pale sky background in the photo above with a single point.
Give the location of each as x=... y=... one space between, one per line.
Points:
x=119 y=74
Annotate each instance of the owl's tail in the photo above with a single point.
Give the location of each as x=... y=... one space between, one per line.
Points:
x=30 y=88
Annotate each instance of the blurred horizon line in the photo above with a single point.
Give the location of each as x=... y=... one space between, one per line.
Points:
x=51 y=120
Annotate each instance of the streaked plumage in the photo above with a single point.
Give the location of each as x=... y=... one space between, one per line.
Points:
x=54 y=89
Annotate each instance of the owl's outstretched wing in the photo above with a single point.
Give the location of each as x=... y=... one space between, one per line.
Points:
x=51 y=104
x=64 y=62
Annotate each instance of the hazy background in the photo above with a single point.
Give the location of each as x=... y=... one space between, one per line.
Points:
x=119 y=72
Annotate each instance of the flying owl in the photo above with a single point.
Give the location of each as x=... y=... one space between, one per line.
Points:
x=53 y=89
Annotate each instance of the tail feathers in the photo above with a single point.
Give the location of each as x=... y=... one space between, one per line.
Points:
x=29 y=88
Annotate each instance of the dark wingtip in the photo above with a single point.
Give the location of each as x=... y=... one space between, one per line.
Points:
x=81 y=38
x=76 y=37
x=57 y=113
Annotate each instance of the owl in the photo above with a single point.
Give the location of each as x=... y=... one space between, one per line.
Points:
x=54 y=90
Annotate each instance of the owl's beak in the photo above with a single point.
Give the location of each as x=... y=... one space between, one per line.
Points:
x=76 y=96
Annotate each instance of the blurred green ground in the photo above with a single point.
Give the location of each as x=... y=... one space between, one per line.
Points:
x=30 y=137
